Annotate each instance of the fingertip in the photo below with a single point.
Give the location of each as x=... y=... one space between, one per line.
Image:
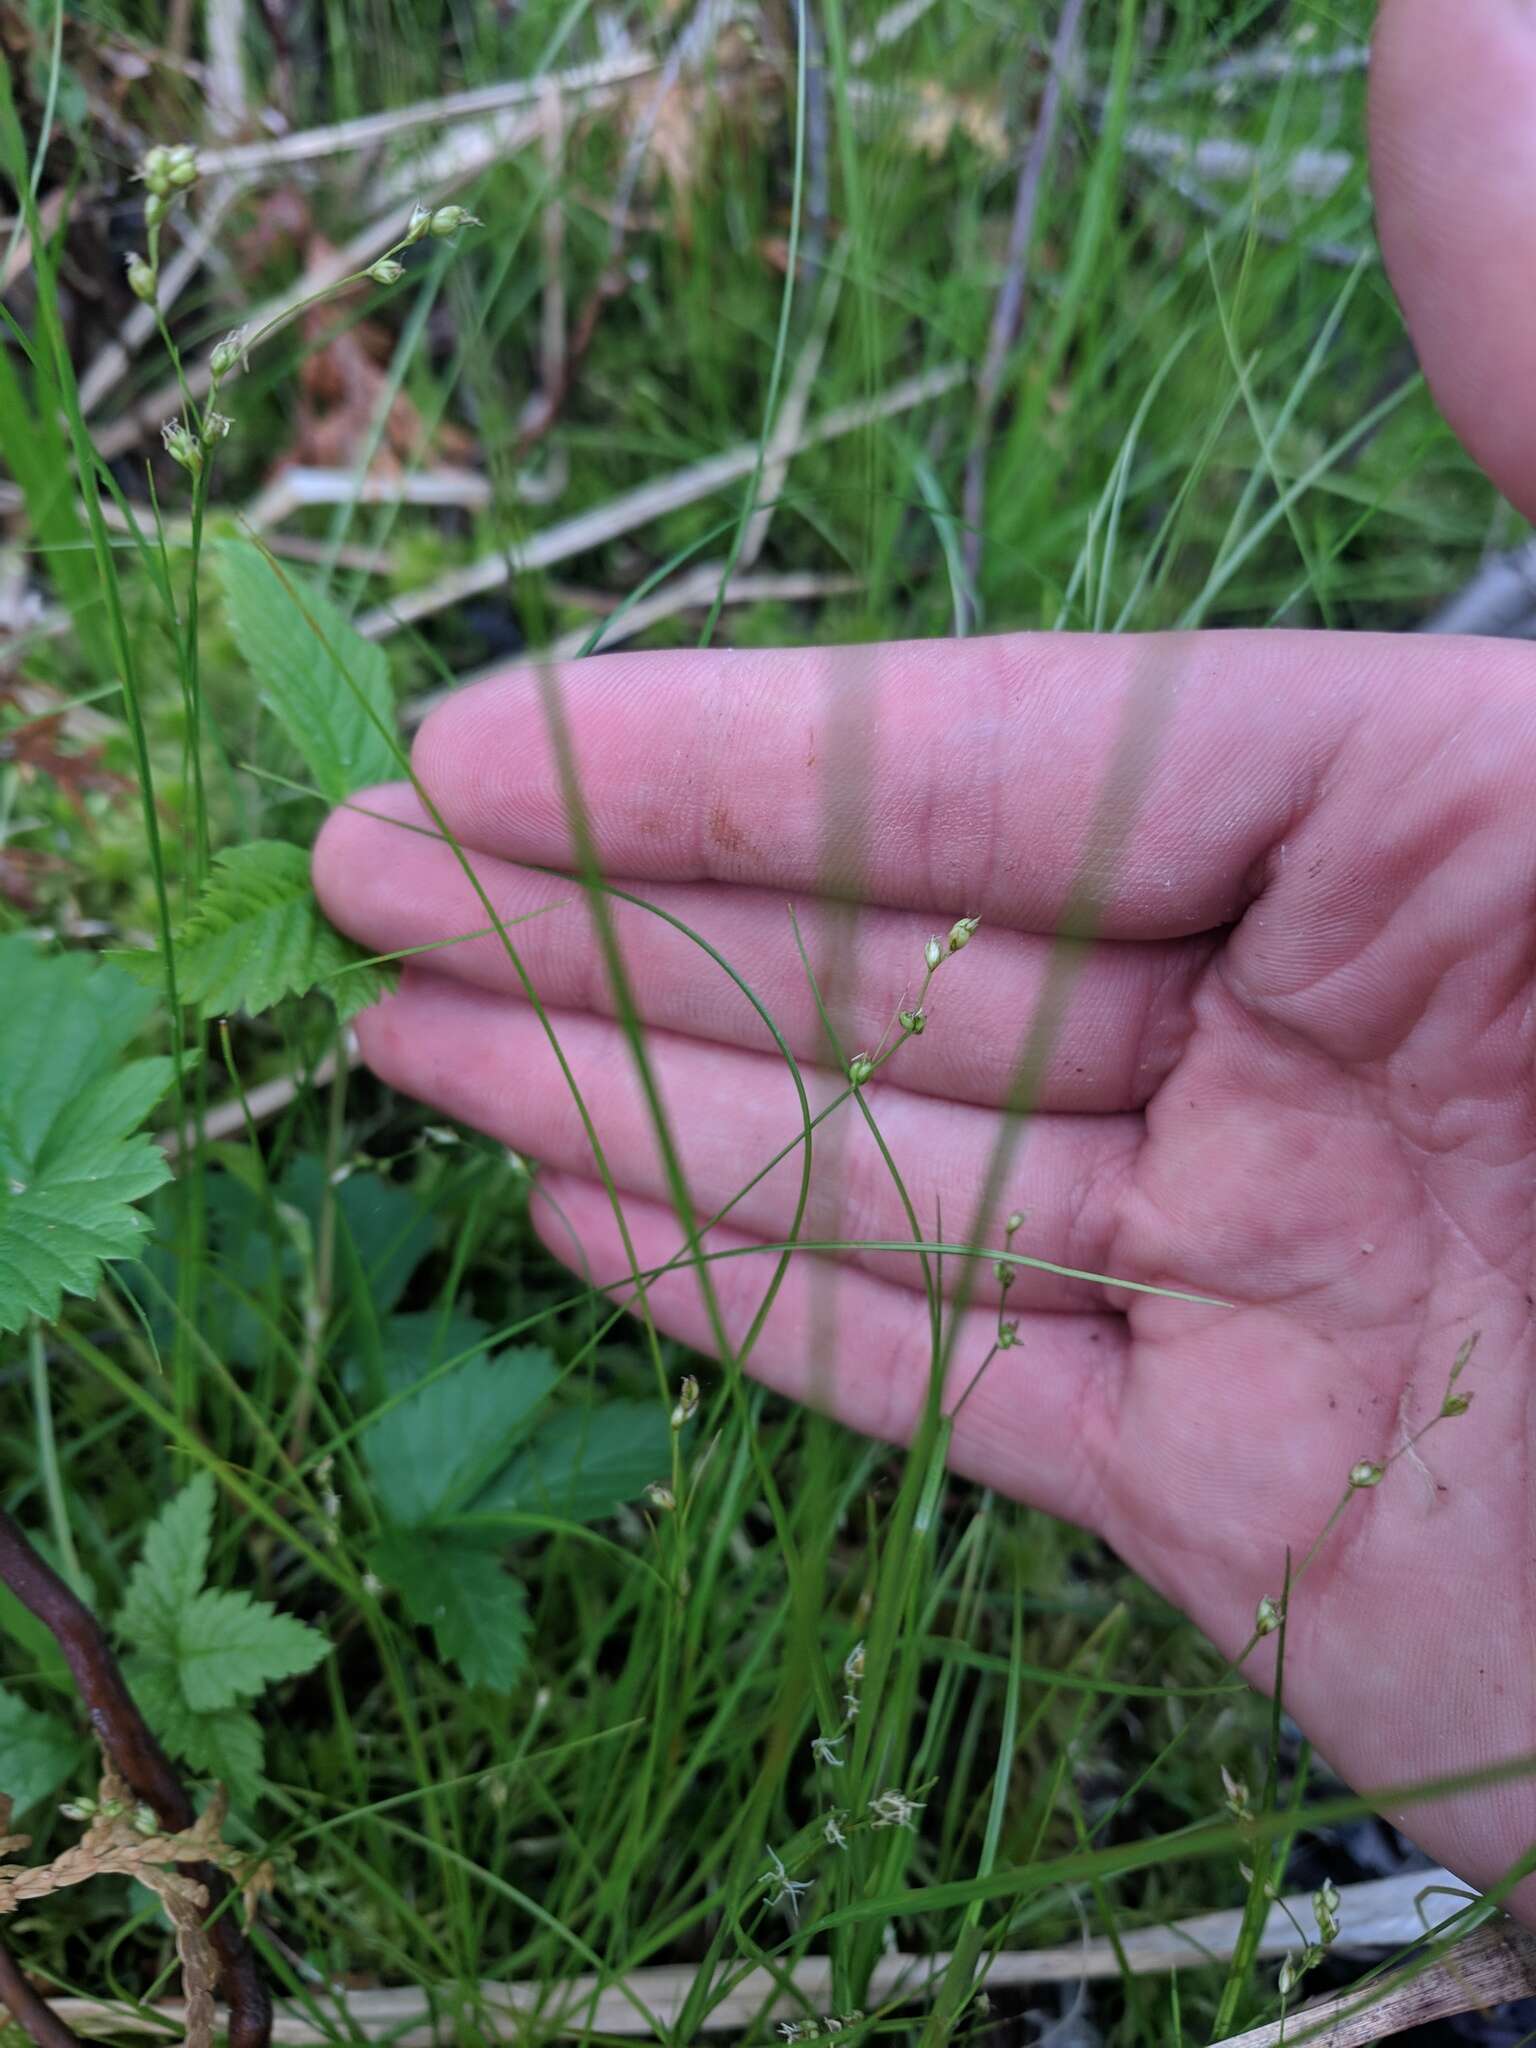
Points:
x=475 y=752
x=1453 y=150
x=355 y=839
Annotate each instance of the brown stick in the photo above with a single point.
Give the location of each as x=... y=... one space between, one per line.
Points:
x=143 y=1765
x=29 y=2009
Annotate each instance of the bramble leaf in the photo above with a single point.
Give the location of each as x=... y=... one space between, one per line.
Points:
x=476 y=1612
x=229 y=1645
x=226 y=1745
x=72 y=1161
x=432 y=1451
x=325 y=684
x=198 y=1654
x=37 y=1752
x=584 y=1462
x=171 y=1568
x=256 y=935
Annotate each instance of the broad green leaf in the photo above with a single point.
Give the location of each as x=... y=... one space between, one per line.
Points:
x=229 y=1646
x=411 y=1346
x=37 y=1752
x=226 y=1746
x=585 y=1462
x=433 y=1451
x=173 y=1563
x=256 y=935
x=476 y=1612
x=71 y=1166
x=316 y=673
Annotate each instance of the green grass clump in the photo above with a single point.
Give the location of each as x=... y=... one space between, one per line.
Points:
x=603 y=1691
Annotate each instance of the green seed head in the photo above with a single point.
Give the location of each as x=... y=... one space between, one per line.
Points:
x=142 y=279
x=447 y=220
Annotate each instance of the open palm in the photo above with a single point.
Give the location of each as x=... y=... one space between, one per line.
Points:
x=1294 y=1070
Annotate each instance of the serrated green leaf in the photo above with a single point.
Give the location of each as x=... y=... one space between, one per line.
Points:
x=584 y=1462
x=434 y=1450
x=256 y=935
x=478 y=1615
x=411 y=1346
x=229 y=1645
x=316 y=673
x=226 y=1746
x=37 y=1752
x=70 y=1171
x=173 y=1563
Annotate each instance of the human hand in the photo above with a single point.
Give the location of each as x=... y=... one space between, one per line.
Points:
x=1295 y=1070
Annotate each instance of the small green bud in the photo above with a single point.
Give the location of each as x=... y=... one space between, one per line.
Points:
x=1007 y=1336
x=216 y=426
x=419 y=224
x=447 y=220
x=143 y=279
x=1325 y=1908
x=182 y=166
x=860 y=1067
x=386 y=271
x=933 y=953
x=144 y=1821
x=157 y=206
x=155 y=170
x=687 y=1402
x=1366 y=1473
x=913 y=1022
x=181 y=446
x=78 y=1809
x=1456 y=1404
x=1266 y=1617
x=229 y=354
x=661 y=1496
x=961 y=932
x=1007 y=1272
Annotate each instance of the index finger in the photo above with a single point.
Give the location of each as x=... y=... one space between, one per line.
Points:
x=959 y=778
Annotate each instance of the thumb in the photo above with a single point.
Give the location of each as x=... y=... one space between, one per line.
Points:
x=1453 y=160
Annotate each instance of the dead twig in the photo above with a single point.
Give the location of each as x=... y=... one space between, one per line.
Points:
x=1009 y=307
x=138 y=1759
x=1384 y=1913
x=369 y=130
x=621 y=515
x=1494 y=1966
x=1224 y=160
x=1336 y=255
x=694 y=591
x=1259 y=67
x=1498 y=601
